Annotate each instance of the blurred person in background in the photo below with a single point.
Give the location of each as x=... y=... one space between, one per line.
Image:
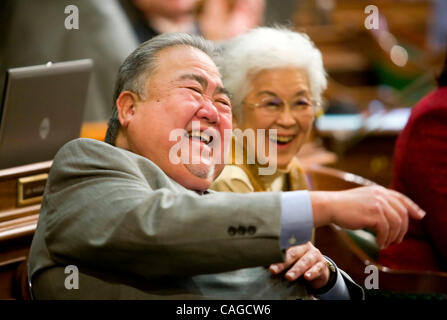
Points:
x=420 y=172
x=152 y=17
x=215 y=20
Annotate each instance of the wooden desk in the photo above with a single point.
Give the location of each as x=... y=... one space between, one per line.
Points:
x=17 y=223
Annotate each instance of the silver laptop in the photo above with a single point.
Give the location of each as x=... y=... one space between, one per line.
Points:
x=42 y=109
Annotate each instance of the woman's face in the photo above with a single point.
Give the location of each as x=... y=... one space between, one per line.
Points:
x=280 y=99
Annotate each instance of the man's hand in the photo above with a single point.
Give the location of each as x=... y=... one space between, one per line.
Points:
x=304 y=260
x=386 y=211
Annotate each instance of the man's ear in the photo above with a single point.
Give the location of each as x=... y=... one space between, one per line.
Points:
x=126 y=104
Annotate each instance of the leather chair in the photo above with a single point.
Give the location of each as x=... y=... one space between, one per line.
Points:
x=22 y=286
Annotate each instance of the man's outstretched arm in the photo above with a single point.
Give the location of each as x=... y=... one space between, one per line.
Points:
x=384 y=210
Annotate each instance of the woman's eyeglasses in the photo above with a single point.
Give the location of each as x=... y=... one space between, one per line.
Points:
x=275 y=105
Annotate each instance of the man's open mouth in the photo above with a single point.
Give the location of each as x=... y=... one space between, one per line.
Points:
x=199 y=135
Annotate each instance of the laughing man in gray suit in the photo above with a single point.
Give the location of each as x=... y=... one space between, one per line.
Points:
x=137 y=224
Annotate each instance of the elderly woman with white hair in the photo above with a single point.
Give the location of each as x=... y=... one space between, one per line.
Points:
x=276 y=78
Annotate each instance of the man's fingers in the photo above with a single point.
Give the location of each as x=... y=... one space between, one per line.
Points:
x=292 y=255
x=307 y=262
x=382 y=228
x=413 y=209
x=304 y=263
x=402 y=210
x=277 y=268
x=394 y=221
x=316 y=271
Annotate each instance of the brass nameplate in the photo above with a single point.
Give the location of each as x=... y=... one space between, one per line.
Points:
x=30 y=189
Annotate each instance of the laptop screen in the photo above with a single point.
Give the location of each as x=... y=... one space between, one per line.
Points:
x=42 y=109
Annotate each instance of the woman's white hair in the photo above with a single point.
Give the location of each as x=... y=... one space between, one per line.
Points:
x=266 y=48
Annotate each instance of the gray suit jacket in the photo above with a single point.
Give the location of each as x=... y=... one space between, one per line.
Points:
x=135 y=233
